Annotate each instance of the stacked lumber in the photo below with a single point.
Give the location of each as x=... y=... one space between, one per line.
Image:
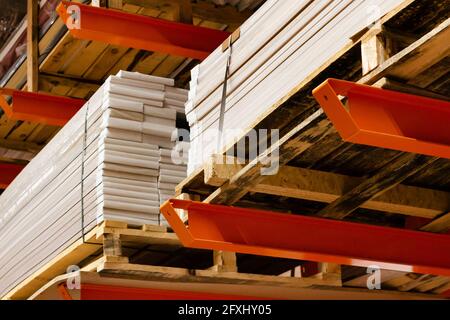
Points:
x=281 y=46
x=172 y=171
x=105 y=164
x=175 y=98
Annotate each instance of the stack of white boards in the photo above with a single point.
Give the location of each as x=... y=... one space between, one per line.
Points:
x=172 y=170
x=280 y=46
x=104 y=164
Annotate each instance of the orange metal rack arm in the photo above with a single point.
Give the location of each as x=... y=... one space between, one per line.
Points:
x=139 y=32
x=267 y=233
x=109 y=292
x=8 y=172
x=387 y=119
x=39 y=107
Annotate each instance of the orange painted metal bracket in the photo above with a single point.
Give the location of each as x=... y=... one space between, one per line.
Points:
x=8 y=172
x=139 y=32
x=39 y=107
x=108 y=292
x=250 y=231
x=63 y=292
x=387 y=119
x=446 y=294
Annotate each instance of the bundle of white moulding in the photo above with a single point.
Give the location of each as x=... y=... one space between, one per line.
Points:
x=280 y=46
x=172 y=170
x=104 y=164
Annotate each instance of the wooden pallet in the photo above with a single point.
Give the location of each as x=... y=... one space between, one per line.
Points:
x=171 y=280
x=110 y=246
x=324 y=176
x=91 y=246
x=112 y=265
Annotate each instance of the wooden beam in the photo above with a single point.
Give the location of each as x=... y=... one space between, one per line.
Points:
x=99 y=3
x=62 y=79
x=69 y=86
x=32 y=45
x=428 y=77
x=20 y=145
x=385 y=179
x=112 y=246
x=220 y=169
x=15 y=156
x=374 y=51
x=146 y=272
x=327 y=187
x=399 y=38
x=113 y=4
x=381 y=43
x=201 y=9
x=185 y=11
x=390 y=84
x=409 y=62
x=224 y=261
x=295 y=142
x=439 y=225
x=421 y=55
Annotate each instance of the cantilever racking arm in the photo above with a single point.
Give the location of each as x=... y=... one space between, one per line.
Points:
x=90 y=291
x=39 y=107
x=387 y=119
x=139 y=32
x=8 y=172
x=266 y=233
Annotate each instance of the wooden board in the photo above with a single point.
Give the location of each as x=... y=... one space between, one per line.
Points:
x=99 y=166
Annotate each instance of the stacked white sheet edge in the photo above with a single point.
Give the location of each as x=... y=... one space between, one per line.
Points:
x=280 y=46
x=107 y=163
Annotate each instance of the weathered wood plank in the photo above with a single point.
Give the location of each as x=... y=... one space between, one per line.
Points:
x=299 y=183
x=439 y=225
x=201 y=9
x=32 y=45
x=20 y=145
x=287 y=148
x=388 y=177
x=416 y=58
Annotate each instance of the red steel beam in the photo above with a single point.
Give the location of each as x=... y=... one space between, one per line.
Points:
x=39 y=107
x=387 y=119
x=446 y=294
x=140 y=32
x=8 y=172
x=107 y=292
x=64 y=292
x=217 y=227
